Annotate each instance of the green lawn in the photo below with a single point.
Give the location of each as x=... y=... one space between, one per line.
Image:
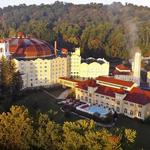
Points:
x=40 y=101
x=143 y=131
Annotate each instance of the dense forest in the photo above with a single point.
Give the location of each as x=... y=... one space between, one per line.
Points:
x=100 y=30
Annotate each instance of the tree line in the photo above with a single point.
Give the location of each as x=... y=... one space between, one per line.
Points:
x=19 y=131
x=100 y=30
x=10 y=82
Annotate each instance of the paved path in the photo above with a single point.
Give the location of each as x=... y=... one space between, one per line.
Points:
x=64 y=94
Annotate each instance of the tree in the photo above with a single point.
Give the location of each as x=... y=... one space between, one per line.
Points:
x=84 y=135
x=19 y=131
x=17 y=83
x=11 y=80
x=47 y=134
x=6 y=75
x=15 y=129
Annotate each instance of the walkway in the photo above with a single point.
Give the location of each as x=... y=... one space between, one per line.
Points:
x=63 y=95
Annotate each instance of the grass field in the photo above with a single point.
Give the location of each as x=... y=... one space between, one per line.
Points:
x=40 y=101
x=55 y=91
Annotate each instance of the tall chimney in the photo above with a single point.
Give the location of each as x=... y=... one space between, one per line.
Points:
x=137 y=68
x=55 y=48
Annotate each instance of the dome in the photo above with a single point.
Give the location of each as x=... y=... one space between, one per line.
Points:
x=29 y=48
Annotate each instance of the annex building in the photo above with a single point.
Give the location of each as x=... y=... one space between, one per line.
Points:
x=87 y=68
x=125 y=97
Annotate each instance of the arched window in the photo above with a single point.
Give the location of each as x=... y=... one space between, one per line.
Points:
x=118 y=109
x=131 y=112
x=125 y=110
x=139 y=114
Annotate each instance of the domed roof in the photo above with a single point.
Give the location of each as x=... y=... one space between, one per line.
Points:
x=23 y=47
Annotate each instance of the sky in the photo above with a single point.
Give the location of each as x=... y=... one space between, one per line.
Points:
x=4 y=3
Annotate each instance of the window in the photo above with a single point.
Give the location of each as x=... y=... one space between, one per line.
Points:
x=131 y=104
x=86 y=98
x=1 y=50
x=125 y=110
x=118 y=103
x=126 y=103
x=90 y=94
x=113 y=99
x=90 y=100
x=139 y=114
x=118 y=109
x=140 y=106
x=131 y=113
x=107 y=97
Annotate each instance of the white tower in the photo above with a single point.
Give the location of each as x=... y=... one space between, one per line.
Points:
x=4 y=49
x=75 y=62
x=136 y=68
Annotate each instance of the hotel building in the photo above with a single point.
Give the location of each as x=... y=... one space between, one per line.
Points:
x=125 y=97
x=36 y=60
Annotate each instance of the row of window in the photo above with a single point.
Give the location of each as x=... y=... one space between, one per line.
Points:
x=117 y=108
x=131 y=112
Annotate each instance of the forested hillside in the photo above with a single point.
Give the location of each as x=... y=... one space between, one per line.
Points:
x=100 y=30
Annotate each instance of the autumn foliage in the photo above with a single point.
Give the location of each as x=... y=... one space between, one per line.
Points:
x=19 y=131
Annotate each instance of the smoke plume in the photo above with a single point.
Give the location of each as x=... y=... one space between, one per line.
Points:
x=132 y=36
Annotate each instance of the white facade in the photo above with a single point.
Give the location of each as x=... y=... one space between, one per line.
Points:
x=124 y=77
x=148 y=78
x=94 y=69
x=91 y=68
x=4 y=49
x=75 y=63
x=117 y=101
x=42 y=72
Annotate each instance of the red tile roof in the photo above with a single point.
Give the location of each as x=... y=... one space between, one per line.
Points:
x=87 y=83
x=138 y=96
x=109 y=91
x=29 y=47
x=115 y=81
x=122 y=67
